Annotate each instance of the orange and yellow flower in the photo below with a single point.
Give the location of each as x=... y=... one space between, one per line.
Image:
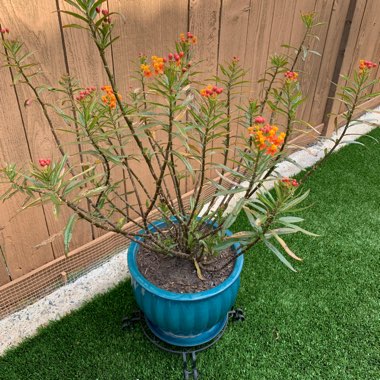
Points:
x=290 y=182
x=145 y=69
x=291 y=76
x=211 y=91
x=158 y=64
x=266 y=138
x=366 y=65
x=189 y=39
x=109 y=98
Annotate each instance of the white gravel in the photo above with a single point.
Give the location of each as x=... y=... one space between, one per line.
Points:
x=24 y=323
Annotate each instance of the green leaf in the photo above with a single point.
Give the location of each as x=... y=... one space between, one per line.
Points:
x=279 y=255
x=291 y=219
x=68 y=232
x=76 y=15
x=77 y=26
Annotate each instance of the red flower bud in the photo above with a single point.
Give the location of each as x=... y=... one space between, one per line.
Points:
x=259 y=120
x=219 y=90
x=181 y=54
x=170 y=56
x=2 y=30
x=189 y=35
x=164 y=60
x=105 y=12
x=176 y=57
x=184 y=69
x=189 y=64
x=214 y=88
x=44 y=162
x=97 y=9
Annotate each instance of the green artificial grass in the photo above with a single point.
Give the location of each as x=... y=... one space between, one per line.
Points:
x=319 y=323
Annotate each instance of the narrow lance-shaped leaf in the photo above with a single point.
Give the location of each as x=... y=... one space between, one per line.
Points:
x=68 y=232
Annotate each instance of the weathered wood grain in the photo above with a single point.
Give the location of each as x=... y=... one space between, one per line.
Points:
x=19 y=232
x=39 y=29
x=328 y=60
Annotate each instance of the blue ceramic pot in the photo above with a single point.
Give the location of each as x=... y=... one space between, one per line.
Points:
x=187 y=319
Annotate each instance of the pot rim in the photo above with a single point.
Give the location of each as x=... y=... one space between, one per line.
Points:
x=138 y=277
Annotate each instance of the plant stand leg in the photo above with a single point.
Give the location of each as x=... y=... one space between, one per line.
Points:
x=237 y=315
x=130 y=321
x=189 y=358
x=193 y=363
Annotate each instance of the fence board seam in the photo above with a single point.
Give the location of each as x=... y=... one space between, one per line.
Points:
x=339 y=63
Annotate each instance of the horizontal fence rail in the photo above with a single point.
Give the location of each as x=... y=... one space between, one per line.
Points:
x=249 y=29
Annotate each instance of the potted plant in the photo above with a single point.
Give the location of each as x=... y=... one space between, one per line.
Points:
x=185 y=264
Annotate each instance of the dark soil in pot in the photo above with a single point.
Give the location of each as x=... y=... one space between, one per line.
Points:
x=179 y=275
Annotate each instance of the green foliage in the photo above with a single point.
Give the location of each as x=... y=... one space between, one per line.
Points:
x=179 y=132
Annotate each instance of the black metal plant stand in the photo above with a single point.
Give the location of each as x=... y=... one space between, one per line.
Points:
x=189 y=354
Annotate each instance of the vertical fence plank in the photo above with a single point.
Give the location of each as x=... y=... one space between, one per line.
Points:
x=328 y=60
x=4 y=276
x=204 y=21
x=151 y=28
x=234 y=24
x=367 y=39
x=354 y=30
x=84 y=64
x=259 y=32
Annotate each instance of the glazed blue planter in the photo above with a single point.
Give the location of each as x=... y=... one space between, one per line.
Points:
x=187 y=319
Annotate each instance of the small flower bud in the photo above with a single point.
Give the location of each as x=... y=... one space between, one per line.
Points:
x=28 y=102
x=259 y=120
x=181 y=54
x=97 y=9
x=164 y=60
x=44 y=162
x=105 y=12
x=170 y=56
x=176 y=57
x=184 y=69
x=219 y=90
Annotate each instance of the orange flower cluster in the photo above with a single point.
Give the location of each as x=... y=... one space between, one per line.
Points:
x=191 y=39
x=158 y=64
x=145 y=69
x=211 y=91
x=266 y=137
x=364 y=65
x=109 y=98
x=290 y=182
x=291 y=75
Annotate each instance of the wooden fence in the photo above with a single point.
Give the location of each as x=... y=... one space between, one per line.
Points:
x=250 y=29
